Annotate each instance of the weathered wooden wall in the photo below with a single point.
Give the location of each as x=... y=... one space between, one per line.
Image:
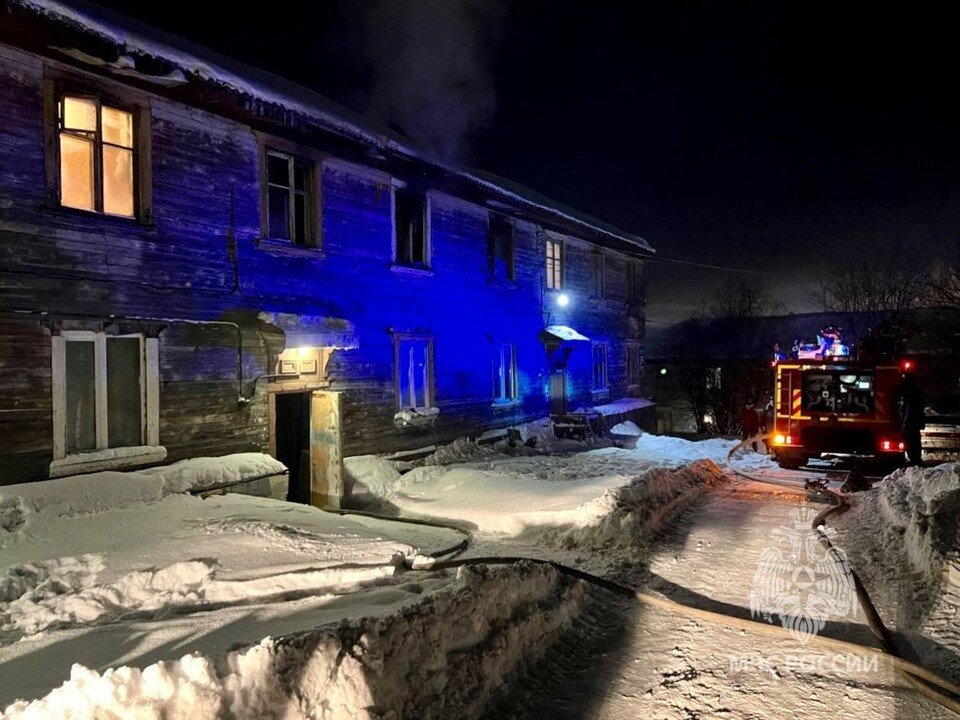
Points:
x=60 y=265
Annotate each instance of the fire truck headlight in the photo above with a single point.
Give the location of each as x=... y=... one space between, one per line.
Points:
x=779 y=439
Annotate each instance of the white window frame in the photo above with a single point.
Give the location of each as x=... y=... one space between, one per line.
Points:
x=507 y=395
x=606 y=367
x=427 y=229
x=430 y=380
x=104 y=456
x=554 y=280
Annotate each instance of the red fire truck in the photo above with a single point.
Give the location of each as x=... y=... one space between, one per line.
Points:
x=828 y=404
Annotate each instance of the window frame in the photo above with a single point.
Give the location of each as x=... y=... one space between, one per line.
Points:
x=634 y=282
x=597 y=388
x=598 y=275
x=554 y=280
x=55 y=88
x=266 y=145
x=430 y=391
x=502 y=395
x=149 y=391
x=292 y=194
x=427 y=265
x=492 y=246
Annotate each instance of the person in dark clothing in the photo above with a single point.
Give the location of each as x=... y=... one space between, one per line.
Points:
x=912 y=403
x=749 y=422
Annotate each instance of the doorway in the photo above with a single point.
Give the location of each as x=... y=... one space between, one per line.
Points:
x=558 y=391
x=293 y=442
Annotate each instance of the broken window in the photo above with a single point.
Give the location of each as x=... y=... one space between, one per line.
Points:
x=500 y=248
x=410 y=228
x=96 y=156
x=554 y=265
x=599 y=366
x=505 y=389
x=414 y=373
x=290 y=199
x=103 y=381
x=599 y=273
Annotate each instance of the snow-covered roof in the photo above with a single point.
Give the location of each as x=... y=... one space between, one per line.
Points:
x=138 y=39
x=564 y=333
x=313 y=330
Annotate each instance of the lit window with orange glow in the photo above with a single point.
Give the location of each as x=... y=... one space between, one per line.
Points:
x=96 y=156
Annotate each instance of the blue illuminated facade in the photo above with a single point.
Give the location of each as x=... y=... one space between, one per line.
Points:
x=415 y=291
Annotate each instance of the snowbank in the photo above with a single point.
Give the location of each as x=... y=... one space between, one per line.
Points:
x=108 y=490
x=441 y=657
x=626 y=428
x=37 y=596
x=903 y=537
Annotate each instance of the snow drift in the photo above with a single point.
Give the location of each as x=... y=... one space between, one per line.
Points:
x=111 y=490
x=903 y=537
x=443 y=656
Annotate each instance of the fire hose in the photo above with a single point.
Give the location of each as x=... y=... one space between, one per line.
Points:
x=914 y=676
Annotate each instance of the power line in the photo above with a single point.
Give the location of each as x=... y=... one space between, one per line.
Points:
x=708 y=266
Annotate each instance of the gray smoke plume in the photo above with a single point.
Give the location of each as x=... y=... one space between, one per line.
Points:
x=431 y=60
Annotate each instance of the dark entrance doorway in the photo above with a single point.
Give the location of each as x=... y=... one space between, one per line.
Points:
x=293 y=442
x=558 y=390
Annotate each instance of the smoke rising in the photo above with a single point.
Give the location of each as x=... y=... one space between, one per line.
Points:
x=432 y=76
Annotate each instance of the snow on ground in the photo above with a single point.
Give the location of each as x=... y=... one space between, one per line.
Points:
x=903 y=537
x=444 y=656
x=668 y=666
x=120 y=568
x=510 y=493
x=20 y=505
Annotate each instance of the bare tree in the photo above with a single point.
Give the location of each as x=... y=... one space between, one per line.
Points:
x=717 y=372
x=944 y=286
x=743 y=299
x=889 y=281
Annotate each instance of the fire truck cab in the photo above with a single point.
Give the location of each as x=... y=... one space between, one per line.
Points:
x=827 y=404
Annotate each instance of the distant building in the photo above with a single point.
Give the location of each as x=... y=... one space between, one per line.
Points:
x=200 y=258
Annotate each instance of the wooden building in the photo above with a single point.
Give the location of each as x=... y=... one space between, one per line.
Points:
x=200 y=258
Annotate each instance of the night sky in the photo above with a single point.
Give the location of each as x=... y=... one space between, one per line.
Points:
x=784 y=138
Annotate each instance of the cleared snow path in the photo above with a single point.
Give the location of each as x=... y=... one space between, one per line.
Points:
x=661 y=666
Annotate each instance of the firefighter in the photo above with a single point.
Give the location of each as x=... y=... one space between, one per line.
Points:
x=912 y=403
x=749 y=422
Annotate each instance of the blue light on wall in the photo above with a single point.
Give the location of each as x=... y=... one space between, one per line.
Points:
x=563 y=299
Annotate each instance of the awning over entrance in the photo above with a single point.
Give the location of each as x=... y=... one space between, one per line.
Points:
x=561 y=334
x=313 y=330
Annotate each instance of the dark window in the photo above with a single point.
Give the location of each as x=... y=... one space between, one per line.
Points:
x=599 y=273
x=124 y=392
x=599 y=367
x=96 y=156
x=410 y=219
x=554 y=265
x=505 y=387
x=289 y=198
x=80 y=381
x=414 y=373
x=500 y=248
x=635 y=283
x=104 y=391
x=840 y=391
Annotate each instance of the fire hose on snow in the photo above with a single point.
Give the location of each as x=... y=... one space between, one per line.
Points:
x=914 y=676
